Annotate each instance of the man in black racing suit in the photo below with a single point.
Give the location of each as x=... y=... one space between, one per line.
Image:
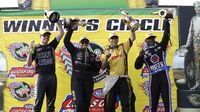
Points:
x=85 y=65
x=154 y=56
x=43 y=54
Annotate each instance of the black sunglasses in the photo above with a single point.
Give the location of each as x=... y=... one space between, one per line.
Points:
x=45 y=35
x=114 y=37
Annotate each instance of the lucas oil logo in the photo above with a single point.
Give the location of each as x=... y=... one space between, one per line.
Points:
x=97 y=102
x=19 y=72
x=25 y=108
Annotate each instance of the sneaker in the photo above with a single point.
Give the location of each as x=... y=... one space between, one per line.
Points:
x=196 y=86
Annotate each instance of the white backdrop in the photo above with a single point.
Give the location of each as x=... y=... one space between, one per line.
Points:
x=8 y=3
x=177 y=2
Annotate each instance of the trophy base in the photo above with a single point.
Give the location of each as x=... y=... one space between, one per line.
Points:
x=187 y=110
x=134 y=25
x=188 y=100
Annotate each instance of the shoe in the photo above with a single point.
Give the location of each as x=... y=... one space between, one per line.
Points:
x=195 y=87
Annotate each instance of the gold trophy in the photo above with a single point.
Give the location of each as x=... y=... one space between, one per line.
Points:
x=71 y=21
x=133 y=24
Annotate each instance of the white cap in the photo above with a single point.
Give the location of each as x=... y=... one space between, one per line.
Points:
x=113 y=34
x=150 y=35
x=84 y=38
x=43 y=31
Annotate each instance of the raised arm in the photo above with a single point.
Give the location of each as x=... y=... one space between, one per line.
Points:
x=166 y=35
x=70 y=47
x=132 y=36
x=60 y=31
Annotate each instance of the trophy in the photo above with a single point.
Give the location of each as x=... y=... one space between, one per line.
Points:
x=129 y=21
x=188 y=100
x=52 y=16
x=3 y=67
x=3 y=77
x=166 y=13
x=68 y=22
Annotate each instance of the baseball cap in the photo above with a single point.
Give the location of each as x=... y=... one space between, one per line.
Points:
x=113 y=34
x=84 y=38
x=44 y=31
x=150 y=35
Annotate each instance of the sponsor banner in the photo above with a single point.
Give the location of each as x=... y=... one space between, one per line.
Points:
x=19 y=29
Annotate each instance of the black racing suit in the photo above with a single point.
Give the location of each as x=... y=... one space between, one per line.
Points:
x=46 y=81
x=155 y=59
x=84 y=68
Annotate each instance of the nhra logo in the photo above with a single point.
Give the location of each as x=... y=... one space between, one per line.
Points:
x=97 y=102
x=19 y=51
x=21 y=91
x=98 y=94
x=160 y=108
x=66 y=57
x=25 y=108
x=154 y=58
